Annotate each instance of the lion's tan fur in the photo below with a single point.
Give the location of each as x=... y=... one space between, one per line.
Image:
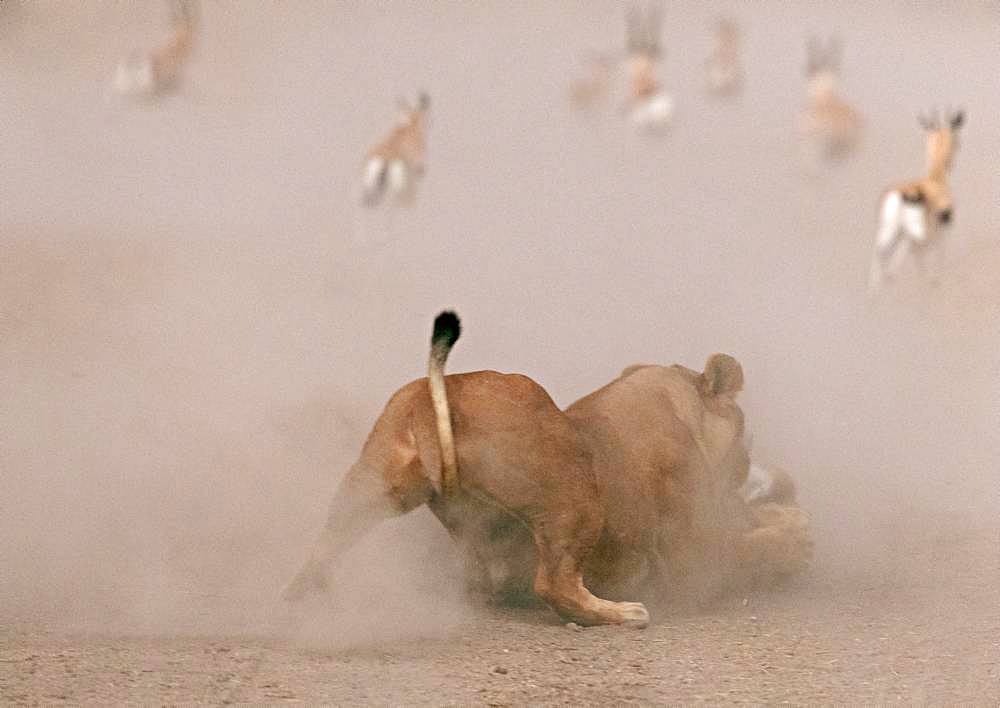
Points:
x=632 y=489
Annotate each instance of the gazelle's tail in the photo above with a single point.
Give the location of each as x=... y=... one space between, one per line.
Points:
x=447 y=329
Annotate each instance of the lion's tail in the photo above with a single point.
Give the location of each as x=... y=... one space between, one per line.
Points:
x=447 y=329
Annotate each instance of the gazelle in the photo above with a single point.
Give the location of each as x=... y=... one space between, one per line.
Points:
x=723 y=71
x=830 y=126
x=586 y=92
x=396 y=163
x=154 y=72
x=913 y=214
x=647 y=105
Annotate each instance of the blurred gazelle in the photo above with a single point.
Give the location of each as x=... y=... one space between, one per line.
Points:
x=586 y=92
x=153 y=72
x=912 y=215
x=648 y=106
x=830 y=126
x=396 y=163
x=723 y=72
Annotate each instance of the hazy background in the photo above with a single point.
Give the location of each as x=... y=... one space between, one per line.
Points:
x=199 y=323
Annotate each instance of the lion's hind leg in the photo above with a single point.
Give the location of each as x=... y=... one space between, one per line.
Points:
x=360 y=503
x=562 y=541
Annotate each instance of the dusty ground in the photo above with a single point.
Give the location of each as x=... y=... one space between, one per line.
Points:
x=889 y=635
x=198 y=326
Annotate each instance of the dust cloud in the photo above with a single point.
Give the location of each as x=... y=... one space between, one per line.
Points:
x=198 y=325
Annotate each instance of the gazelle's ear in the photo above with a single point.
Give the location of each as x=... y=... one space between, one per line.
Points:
x=423 y=101
x=957 y=120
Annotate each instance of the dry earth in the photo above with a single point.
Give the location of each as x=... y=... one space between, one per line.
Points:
x=198 y=325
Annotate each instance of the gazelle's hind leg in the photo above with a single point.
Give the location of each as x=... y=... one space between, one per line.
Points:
x=914 y=232
x=925 y=240
x=887 y=238
x=373 y=181
x=360 y=503
x=402 y=181
x=938 y=254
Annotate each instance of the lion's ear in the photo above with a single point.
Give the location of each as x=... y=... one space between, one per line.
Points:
x=723 y=375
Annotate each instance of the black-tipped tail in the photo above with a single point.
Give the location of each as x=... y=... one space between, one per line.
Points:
x=447 y=329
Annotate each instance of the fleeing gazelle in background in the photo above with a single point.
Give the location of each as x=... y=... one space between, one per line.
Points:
x=147 y=74
x=723 y=72
x=830 y=126
x=912 y=215
x=396 y=164
x=648 y=105
x=587 y=92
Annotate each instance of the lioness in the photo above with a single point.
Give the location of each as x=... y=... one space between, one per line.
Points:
x=636 y=484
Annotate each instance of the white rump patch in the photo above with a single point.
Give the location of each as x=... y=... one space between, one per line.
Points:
x=653 y=113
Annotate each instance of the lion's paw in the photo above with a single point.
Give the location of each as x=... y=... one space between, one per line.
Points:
x=634 y=614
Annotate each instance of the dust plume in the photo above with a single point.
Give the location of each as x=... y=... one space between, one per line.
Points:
x=195 y=339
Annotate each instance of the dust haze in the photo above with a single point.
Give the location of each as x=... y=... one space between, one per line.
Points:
x=199 y=324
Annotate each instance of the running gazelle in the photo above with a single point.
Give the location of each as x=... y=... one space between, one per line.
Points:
x=396 y=163
x=648 y=105
x=913 y=214
x=723 y=72
x=830 y=126
x=158 y=70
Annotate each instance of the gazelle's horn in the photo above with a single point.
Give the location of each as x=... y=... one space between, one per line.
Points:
x=956 y=119
x=632 y=30
x=834 y=53
x=182 y=12
x=654 y=28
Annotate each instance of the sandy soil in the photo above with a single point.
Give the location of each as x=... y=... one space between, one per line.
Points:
x=198 y=325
